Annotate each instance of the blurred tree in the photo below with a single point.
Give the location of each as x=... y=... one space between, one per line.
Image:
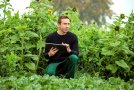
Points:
x=90 y=10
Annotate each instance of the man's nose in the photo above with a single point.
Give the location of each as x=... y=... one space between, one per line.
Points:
x=67 y=25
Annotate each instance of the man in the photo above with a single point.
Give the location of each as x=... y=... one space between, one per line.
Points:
x=62 y=63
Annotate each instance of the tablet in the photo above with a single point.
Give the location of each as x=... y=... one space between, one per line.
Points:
x=60 y=47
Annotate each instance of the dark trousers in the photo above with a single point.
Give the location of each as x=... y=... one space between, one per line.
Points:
x=66 y=67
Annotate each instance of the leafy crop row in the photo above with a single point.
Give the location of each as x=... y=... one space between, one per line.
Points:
x=82 y=82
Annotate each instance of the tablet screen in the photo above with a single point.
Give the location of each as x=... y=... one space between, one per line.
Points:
x=60 y=47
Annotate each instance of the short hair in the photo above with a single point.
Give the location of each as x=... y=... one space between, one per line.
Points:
x=62 y=17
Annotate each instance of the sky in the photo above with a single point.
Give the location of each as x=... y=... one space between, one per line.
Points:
x=20 y=5
x=120 y=6
x=123 y=6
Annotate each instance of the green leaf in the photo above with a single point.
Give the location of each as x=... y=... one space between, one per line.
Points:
x=29 y=87
x=14 y=38
x=132 y=22
x=34 y=57
x=105 y=51
x=111 y=67
x=31 y=34
x=2 y=6
x=29 y=45
x=30 y=66
x=21 y=27
x=122 y=64
x=115 y=44
x=40 y=44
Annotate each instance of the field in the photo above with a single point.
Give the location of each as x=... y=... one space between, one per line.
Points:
x=106 y=54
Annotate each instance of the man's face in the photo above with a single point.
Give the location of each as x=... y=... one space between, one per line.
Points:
x=64 y=25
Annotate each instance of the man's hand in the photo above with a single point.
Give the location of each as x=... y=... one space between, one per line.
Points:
x=52 y=51
x=68 y=47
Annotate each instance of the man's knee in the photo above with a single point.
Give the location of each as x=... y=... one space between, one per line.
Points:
x=50 y=72
x=74 y=58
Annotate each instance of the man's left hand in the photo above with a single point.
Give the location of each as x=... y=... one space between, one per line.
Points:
x=68 y=47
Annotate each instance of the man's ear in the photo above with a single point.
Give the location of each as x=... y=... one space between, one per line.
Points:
x=58 y=25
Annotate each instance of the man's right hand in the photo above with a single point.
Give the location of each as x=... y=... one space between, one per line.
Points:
x=52 y=51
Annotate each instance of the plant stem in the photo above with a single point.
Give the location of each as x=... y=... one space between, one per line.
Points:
x=39 y=54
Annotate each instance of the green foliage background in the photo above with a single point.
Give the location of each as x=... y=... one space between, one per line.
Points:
x=103 y=53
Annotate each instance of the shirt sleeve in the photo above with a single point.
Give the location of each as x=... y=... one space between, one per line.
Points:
x=46 y=50
x=74 y=47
